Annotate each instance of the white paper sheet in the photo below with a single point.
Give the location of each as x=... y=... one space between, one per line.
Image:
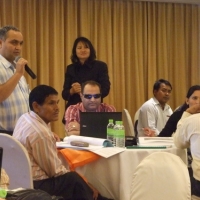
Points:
x=95 y=146
x=156 y=141
x=90 y=140
x=108 y=151
x=67 y=145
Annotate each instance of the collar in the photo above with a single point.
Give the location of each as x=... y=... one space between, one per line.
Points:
x=86 y=64
x=5 y=62
x=156 y=102
x=37 y=117
x=82 y=109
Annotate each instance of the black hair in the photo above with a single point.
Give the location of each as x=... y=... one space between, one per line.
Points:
x=87 y=42
x=91 y=82
x=4 y=30
x=157 y=84
x=191 y=90
x=39 y=94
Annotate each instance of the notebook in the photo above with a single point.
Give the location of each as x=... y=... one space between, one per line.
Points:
x=94 y=124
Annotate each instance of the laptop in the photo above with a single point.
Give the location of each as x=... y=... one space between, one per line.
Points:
x=94 y=124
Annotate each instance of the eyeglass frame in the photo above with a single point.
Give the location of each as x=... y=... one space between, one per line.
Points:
x=89 y=96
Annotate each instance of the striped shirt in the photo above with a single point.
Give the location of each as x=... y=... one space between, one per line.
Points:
x=17 y=103
x=73 y=112
x=38 y=139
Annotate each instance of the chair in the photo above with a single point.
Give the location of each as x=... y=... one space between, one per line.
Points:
x=195 y=197
x=177 y=108
x=16 y=162
x=128 y=124
x=161 y=176
x=136 y=122
x=136 y=115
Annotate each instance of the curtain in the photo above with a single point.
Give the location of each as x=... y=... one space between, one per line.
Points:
x=140 y=41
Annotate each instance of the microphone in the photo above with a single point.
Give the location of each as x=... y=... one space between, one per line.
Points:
x=28 y=70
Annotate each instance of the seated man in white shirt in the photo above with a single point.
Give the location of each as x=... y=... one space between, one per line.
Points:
x=188 y=135
x=155 y=112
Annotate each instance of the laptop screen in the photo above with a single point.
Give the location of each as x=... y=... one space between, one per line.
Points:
x=94 y=124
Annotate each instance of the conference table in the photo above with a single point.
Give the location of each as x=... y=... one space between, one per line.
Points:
x=113 y=176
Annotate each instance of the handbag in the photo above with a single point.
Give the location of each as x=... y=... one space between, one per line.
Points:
x=30 y=194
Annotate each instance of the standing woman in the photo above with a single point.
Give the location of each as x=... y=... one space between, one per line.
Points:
x=84 y=67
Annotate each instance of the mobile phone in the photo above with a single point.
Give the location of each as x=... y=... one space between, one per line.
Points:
x=79 y=144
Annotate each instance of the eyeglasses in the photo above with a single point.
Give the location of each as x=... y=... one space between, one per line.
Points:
x=89 y=96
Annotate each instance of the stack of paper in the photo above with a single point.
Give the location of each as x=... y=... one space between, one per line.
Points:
x=156 y=141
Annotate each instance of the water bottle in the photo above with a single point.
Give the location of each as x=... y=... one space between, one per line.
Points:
x=115 y=132
x=3 y=193
x=120 y=135
x=110 y=131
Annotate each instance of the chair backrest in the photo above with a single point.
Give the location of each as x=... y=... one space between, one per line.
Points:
x=136 y=122
x=128 y=124
x=135 y=128
x=161 y=175
x=16 y=162
x=195 y=197
x=136 y=115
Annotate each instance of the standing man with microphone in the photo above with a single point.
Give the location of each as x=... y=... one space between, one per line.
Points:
x=14 y=90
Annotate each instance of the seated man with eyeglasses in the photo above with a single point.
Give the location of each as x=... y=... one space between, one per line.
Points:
x=91 y=102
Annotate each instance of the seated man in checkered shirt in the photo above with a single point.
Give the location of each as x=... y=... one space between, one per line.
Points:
x=91 y=102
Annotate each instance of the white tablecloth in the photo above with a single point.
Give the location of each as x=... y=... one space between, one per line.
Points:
x=113 y=176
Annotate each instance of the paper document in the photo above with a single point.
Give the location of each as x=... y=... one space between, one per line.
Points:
x=147 y=147
x=90 y=140
x=108 y=152
x=96 y=145
x=159 y=138
x=67 y=145
x=156 y=141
